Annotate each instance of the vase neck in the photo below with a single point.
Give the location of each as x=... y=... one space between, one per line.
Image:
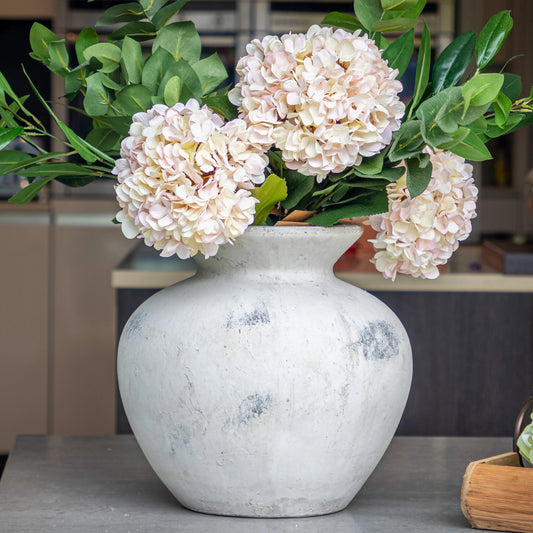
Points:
x=268 y=252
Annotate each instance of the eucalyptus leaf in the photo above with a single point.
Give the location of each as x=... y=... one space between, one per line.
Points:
x=398 y=54
x=388 y=5
x=422 y=67
x=87 y=37
x=270 y=193
x=342 y=20
x=58 y=58
x=211 y=73
x=181 y=40
x=418 y=174
x=107 y=53
x=166 y=13
x=97 y=99
x=138 y=30
x=368 y=11
x=131 y=60
x=121 y=13
x=40 y=39
x=515 y=120
x=370 y=204
x=172 y=91
x=470 y=146
x=407 y=141
x=412 y=12
x=482 y=89
x=155 y=69
x=133 y=99
x=77 y=77
x=152 y=6
x=453 y=61
x=371 y=165
x=492 y=37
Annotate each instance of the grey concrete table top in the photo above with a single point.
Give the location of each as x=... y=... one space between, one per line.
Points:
x=104 y=484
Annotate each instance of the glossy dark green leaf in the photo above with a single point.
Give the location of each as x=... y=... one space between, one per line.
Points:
x=368 y=11
x=9 y=134
x=76 y=181
x=422 y=67
x=121 y=13
x=132 y=60
x=166 y=13
x=107 y=53
x=87 y=37
x=418 y=174
x=453 y=61
x=394 y=25
x=211 y=72
x=342 y=20
x=373 y=203
x=270 y=193
x=388 y=5
x=181 y=40
x=298 y=187
x=133 y=99
x=40 y=39
x=502 y=109
x=412 y=12
x=512 y=86
x=399 y=52
x=492 y=37
x=139 y=30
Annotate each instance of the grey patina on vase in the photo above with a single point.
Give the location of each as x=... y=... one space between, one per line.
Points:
x=264 y=386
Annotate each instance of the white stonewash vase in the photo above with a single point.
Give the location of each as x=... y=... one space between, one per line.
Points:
x=264 y=386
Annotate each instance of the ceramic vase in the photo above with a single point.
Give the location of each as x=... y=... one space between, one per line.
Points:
x=264 y=386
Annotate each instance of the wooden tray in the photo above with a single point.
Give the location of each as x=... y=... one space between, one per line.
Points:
x=497 y=494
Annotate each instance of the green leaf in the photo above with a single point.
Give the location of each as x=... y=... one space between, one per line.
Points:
x=211 y=72
x=58 y=58
x=492 y=37
x=172 y=91
x=368 y=11
x=482 y=89
x=108 y=54
x=399 y=52
x=298 y=187
x=87 y=37
x=14 y=160
x=166 y=13
x=219 y=102
x=342 y=20
x=97 y=99
x=155 y=69
x=371 y=165
x=120 y=125
x=104 y=139
x=438 y=110
x=133 y=99
x=419 y=170
x=29 y=192
x=453 y=61
x=181 y=40
x=271 y=192
x=412 y=13
x=502 y=109
x=121 y=13
x=407 y=141
x=76 y=181
x=53 y=170
x=512 y=86
x=525 y=443
x=422 y=67
x=513 y=122
x=394 y=25
x=388 y=5
x=7 y=135
x=132 y=60
x=190 y=81
x=152 y=6
x=470 y=146
x=140 y=31
x=370 y=204
x=390 y=174
x=77 y=77
x=40 y=39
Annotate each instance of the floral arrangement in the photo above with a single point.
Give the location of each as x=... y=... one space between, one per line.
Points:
x=525 y=442
x=314 y=129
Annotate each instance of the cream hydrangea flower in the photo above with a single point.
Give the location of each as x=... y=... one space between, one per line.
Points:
x=417 y=235
x=184 y=177
x=326 y=99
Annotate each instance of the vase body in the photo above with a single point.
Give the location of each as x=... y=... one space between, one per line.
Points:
x=264 y=386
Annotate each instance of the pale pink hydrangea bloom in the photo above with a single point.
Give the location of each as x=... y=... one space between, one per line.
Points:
x=325 y=99
x=184 y=179
x=417 y=235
